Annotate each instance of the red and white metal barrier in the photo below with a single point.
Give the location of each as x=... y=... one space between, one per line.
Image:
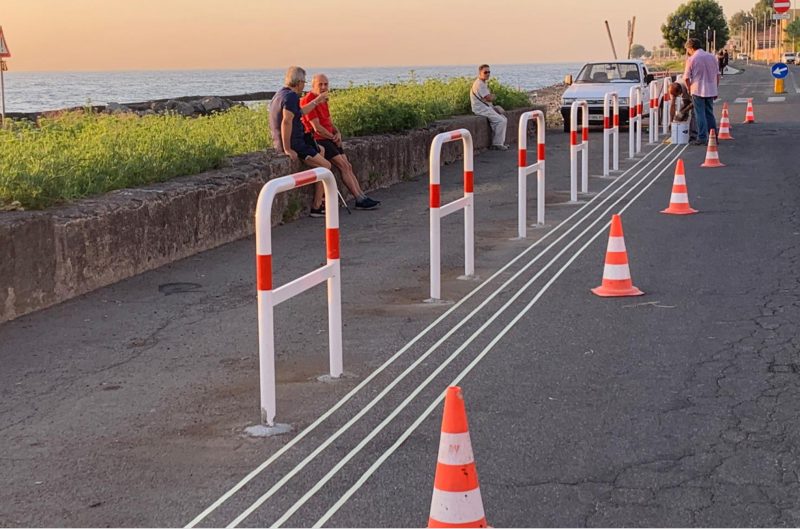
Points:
x=610 y=130
x=575 y=148
x=665 y=111
x=652 y=127
x=634 y=121
x=525 y=170
x=269 y=297
x=438 y=211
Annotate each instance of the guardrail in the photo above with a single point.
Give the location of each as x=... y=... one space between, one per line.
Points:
x=634 y=121
x=652 y=127
x=525 y=169
x=610 y=130
x=575 y=148
x=269 y=297
x=438 y=211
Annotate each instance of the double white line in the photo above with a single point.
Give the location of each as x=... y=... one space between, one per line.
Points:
x=653 y=163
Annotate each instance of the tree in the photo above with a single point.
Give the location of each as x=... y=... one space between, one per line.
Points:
x=792 y=34
x=637 y=50
x=763 y=9
x=739 y=20
x=706 y=15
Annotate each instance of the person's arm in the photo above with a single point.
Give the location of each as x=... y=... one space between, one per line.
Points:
x=286 y=133
x=322 y=131
x=483 y=93
x=314 y=103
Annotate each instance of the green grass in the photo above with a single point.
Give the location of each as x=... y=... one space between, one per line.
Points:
x=80 y=154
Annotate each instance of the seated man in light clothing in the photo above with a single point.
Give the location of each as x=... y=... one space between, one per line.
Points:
x=482 y=101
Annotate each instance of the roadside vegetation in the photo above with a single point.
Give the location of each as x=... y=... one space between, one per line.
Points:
x=79 y=154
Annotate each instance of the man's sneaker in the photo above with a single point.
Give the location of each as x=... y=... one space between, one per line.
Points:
x=367 y=203
x=499 y=147
x=318 y=212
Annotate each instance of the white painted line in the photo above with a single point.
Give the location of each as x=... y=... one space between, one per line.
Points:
x=483 y=353
x=777 y=99
x=741 y=100
x=319 y=484
x=654 y=153
x=413 y=366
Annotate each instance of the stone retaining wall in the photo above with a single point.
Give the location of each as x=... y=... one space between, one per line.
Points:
x=54 y=255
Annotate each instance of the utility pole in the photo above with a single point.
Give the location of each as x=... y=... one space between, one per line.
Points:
x=611 y=40
x=631 y=32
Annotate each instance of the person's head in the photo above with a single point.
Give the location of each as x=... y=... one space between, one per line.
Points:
x=319 y=83
x=675 y=89
x=484 y=72
x=295 y=78
x=692 y=45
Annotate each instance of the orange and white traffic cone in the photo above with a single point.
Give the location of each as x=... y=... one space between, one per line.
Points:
x=679 y=201
x=456 y=498
x=712 y=155
x=749 y=116
x=616 y=273
x=725 y=124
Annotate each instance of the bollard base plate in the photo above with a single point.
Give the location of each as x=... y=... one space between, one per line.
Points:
x=262 y=430
x=473 y=277
x=328 y=379
x=432 y=301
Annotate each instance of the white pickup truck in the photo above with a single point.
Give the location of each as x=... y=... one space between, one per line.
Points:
x=596 y=79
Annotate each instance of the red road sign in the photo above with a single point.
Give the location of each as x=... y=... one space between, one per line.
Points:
x=782 y=6
x=4 y=52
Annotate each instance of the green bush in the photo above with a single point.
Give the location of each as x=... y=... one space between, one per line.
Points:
x=79 y=154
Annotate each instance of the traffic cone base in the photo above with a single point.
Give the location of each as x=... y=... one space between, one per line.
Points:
x=712 y=155
x=616 y=273
x=612 y=288
x=456 y=500
x=679 y=200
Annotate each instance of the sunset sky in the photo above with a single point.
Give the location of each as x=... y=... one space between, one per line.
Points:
x=79 y=35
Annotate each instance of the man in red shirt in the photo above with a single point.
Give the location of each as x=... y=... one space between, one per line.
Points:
x=318 y=121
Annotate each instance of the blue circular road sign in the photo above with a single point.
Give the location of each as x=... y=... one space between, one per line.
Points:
x=779 y=70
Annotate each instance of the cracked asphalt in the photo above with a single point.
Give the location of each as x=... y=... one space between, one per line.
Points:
x=680 y=408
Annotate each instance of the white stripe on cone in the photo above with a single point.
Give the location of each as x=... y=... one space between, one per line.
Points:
x=616 y=244
x=455 y=449
x=679 y=198
x=680 y=180
x=457 y=507
x=616 y=272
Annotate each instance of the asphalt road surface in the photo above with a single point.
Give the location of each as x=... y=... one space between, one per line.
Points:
x=127 y=406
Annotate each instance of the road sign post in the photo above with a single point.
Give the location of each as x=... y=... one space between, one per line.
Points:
x=779 y=72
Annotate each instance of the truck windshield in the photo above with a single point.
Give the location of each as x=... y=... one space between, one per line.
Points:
x=609 y=72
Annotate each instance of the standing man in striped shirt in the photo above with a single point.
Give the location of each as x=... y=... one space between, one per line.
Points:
x=702 y=78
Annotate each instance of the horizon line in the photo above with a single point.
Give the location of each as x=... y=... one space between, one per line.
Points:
x=283 y=68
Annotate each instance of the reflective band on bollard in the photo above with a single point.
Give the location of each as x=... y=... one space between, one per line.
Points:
x=665 y=123
x=438 y=211
x=610 y=129
x=268 y=297
x=575 y=148
x=652 y=127
x=524 y=170
x=634 y=121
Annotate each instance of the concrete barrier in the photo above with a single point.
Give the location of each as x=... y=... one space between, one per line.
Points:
x=54 y=255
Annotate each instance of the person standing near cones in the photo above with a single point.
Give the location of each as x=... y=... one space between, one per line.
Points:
x=702 y=78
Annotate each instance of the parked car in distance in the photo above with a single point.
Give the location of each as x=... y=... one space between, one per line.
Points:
x=596 y=79
x=742 y=57
x=789 y=57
